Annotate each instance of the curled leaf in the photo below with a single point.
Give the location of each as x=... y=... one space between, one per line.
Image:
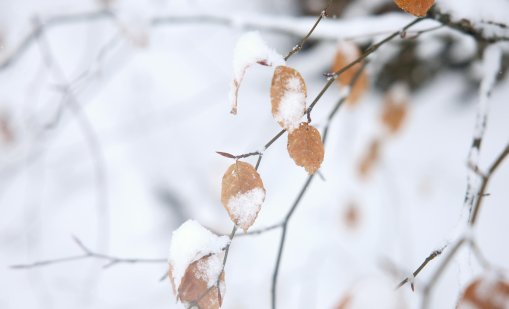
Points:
x=199 y=284
x=250 y=49
x=415 y=7
x=346 y=53
x=485 y=293
x=305 y=147
x=288 y=97
x=242 y=193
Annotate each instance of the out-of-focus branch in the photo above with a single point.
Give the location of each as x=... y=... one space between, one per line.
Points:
x=466 y=26
x=30 y=39
x=71 y=102
x=89 y=254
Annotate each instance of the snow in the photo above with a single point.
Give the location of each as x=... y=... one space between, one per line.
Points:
x=292 y=105
x=210 y=269
x=189 y=243
x=348 y=49
x=245 y=206
x=159 y=115
x=250 y=49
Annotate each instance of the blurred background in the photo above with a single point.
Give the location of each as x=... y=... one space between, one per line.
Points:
x=111 y=115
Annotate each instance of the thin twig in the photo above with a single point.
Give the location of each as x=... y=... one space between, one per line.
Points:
x=438 y=273
x=484 y=184
x=299 y=46
x=89 y=254
x=416 y=272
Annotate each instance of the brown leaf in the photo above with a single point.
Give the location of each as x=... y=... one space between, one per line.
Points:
x=395 y=108
x=485 y=293
x=415 y=7
x=369 y=159
x=198 y=286
x=346 y=53
x=242 y=193
x=288 y=96
x=305 y=147
x=345 y=302
x=352 y=215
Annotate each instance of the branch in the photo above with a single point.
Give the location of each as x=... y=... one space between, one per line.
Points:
x=89 y=254
x=90 y=136
x=284 y=224
x=485 y=180
x=465 y=26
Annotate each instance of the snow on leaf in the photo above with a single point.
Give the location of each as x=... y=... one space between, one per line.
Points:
x=198 y=284
x=347 y=52
x=415 y=7
x=288 y=96
x=395 y=108
x=487 y=292
x=306 y=148
x=250 y=49
x=189 y=243
x=242 y=193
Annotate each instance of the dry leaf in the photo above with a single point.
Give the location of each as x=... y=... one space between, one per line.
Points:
x=345 y=302
x=6 y=131
x=346 y=53
x=305 y=147
x=415 y=7
x=288 y=96
x=369 y=159
x=242 y=193
x=395 y=108
x=199 y=284
x=352 y=215
x=485 y=293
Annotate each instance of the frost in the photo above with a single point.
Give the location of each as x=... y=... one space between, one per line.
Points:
x=189 y=243
x=250 y=49
x=244 y=207
x=292 y=105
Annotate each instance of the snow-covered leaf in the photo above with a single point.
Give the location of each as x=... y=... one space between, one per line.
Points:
x=198 y=286
x=288 y=96
x=250 y=49
x=242 y=193
x=415 y=7
x=189 y=243
x=346 y=53
x=306 y=148
x=487 y=292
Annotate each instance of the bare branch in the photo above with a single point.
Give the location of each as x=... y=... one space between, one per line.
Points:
x=485 y=180
x=89 y=254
